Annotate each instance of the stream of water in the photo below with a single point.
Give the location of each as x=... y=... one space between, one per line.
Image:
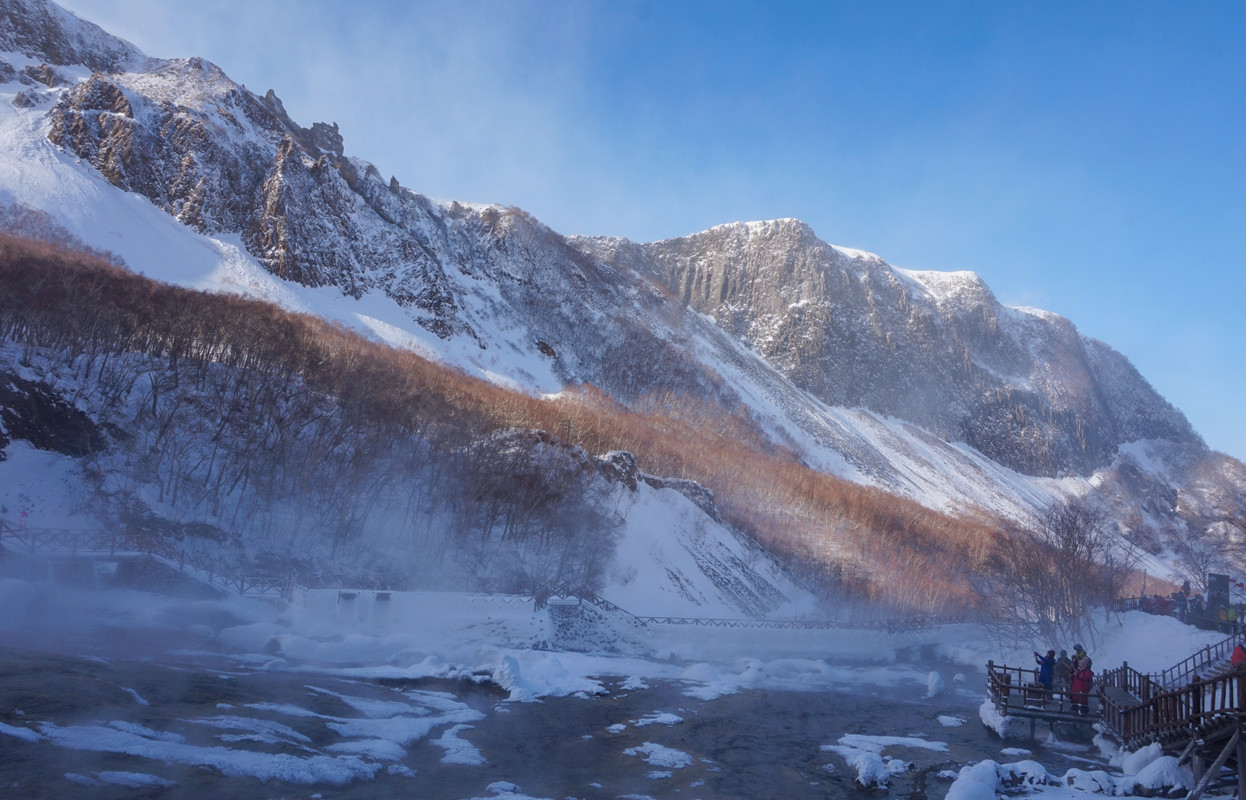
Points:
x=195 y=724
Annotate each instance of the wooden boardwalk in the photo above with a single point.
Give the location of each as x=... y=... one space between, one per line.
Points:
x=1196 y=709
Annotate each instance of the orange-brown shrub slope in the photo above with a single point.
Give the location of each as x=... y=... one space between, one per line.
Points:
x=849 y=538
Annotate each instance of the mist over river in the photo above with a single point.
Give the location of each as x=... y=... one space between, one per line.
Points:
x=118 y=693
x=183 y=722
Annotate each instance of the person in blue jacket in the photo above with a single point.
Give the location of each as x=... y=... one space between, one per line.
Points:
x=1046 y=669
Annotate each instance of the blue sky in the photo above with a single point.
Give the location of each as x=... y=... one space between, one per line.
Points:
x=1084 y=158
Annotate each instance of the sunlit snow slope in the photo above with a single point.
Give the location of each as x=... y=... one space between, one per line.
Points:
x=916 y=382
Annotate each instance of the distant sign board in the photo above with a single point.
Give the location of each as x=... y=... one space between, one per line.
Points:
x=1217 y=591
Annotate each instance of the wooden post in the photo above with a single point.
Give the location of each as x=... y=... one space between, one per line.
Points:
x=1240 y=669
x=1241 y=764
x=1205 y=779
x=1194 y=705
x=1240 y=681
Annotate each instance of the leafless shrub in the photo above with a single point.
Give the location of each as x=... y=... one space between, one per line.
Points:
x=1054 y=575
x=243 y=406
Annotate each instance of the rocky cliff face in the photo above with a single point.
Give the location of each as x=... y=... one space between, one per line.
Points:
x=936 y=349
x=48 y=32
x=223 y=160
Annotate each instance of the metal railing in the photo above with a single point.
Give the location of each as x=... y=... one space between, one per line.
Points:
x=544 y=594
x=891 y=625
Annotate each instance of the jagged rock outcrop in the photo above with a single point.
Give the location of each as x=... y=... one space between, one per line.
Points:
x=697 y=494
x=45 y=31
x=936 y=349
x=34 y=412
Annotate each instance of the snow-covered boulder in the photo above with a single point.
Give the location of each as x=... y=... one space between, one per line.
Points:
x=1138 y=760
x=871 y=770
x=1161 y=777
x=993 y=719
x=1025 y=773
x=976 y=782
x=1094 y=781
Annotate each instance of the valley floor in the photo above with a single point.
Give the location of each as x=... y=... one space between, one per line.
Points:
x=120 y=694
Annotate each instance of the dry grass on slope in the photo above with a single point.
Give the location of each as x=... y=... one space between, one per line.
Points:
x=844 y=537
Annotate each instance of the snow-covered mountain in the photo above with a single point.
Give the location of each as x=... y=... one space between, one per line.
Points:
x=1020 y=386
x=918 y=383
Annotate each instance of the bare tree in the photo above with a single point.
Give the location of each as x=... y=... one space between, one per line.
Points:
x=1198 y=554
x=1056 y=572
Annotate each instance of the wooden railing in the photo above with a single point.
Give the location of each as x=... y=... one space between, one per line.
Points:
x=1188 y=711
x=1201 y=663
x=1133 y=705
x=1013 y=688
x=1125 y=677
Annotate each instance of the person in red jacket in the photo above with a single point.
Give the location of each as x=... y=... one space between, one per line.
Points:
x=1239 y=655
x=1082 y=679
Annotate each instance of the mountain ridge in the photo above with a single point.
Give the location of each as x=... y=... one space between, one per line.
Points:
x=917 y=382
x=45 y=30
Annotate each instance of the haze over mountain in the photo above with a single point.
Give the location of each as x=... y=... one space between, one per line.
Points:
x=918 y=384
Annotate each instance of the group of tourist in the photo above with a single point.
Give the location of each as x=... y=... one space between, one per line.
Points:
x=1213 y=612
x=1066 y=676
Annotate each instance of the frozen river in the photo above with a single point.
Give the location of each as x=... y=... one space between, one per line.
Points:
x=129 y=695
x=195 y=726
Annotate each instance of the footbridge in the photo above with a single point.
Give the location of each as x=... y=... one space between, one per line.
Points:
x=1195 y=709
x=891 y=624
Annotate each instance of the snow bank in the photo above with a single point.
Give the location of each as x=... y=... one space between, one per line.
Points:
x=1158 y=777
x=660 y=756
x=993 y=719
x=310 y=769
x=671 y=559
x=976 y=782
x=529 y=676
x=1138 y=760
x=865 y=755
